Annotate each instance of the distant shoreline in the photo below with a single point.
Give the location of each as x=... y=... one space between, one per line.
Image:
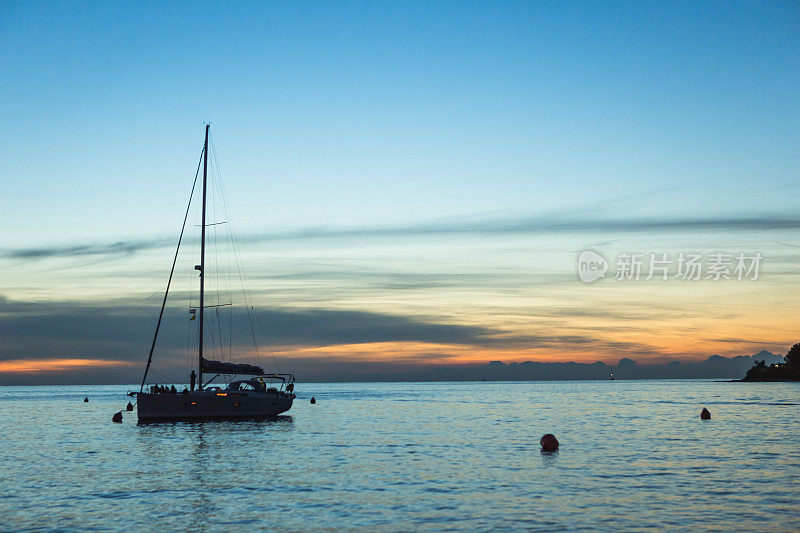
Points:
x=711 y=380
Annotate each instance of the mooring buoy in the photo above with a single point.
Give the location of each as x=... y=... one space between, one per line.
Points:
x=549 y=443
x=313 y=400
x=85 y=400
x=129 y=407
x=705 y=414
x=117 y=417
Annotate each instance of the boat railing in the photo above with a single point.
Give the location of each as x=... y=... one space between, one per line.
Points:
x=286 y=379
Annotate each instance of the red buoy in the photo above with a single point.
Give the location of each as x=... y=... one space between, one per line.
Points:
x=549 y=443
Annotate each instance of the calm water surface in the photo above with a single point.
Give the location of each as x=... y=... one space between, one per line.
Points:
x=410 y=456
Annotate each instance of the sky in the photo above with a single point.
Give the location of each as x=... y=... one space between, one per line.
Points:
x=410 y=184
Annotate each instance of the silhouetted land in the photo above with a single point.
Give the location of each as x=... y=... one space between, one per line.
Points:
x=783 y=371
x=714 y=367
x=773 y=373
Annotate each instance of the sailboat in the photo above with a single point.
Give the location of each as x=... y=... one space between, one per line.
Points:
x=258 y=395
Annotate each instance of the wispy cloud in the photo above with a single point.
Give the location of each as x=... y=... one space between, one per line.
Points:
x=476 y=226
x=79 y=250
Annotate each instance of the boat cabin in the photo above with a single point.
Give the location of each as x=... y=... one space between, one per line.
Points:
x=247 y=385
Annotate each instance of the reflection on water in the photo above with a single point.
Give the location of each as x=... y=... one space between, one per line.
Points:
x=243 y=424
x=210 y=454
x=549 y=458
x=411 y=456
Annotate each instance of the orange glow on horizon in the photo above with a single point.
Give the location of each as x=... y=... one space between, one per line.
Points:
x=426 y=354
x=14 y=366
x=421 y=353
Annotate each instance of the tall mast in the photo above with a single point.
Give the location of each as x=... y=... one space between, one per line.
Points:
x=203 y=261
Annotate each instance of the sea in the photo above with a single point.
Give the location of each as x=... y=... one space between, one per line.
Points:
x=463 y=456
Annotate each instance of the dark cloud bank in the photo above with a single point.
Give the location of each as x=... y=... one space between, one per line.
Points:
x=123 y=330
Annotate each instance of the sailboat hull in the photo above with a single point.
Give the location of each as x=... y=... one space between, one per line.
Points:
x=211 y=405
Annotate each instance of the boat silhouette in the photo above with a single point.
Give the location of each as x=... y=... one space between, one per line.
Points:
x=259 y=395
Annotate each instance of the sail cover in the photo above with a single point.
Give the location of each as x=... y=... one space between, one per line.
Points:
x=218 y=367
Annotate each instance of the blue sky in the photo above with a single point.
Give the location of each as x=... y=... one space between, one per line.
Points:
x=384 y=117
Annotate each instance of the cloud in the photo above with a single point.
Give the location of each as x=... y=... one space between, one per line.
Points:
x=479 y=226
x=113 y=248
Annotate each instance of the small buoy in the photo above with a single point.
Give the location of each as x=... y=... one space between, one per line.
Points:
x=549 y=443
x=129 y=407
x=86 y=400
x=117 y=417
x=313 y=400
x=705 y=414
